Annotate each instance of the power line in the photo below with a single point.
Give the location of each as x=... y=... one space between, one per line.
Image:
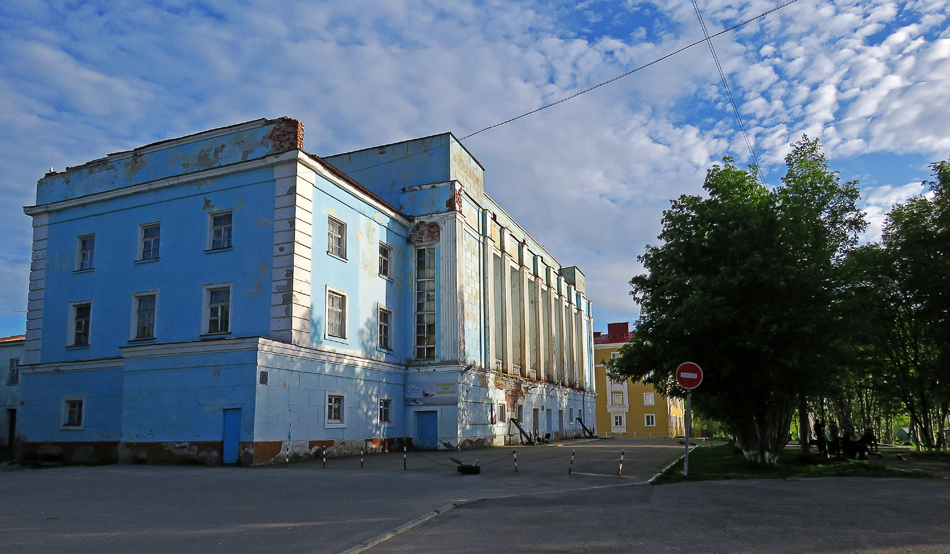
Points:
x=725 y=84
x=632 y=71
x=607 y=82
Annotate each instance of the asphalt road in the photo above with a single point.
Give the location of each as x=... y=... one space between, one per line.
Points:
x=430 y=508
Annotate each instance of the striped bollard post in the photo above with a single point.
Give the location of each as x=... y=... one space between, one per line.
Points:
x=404 y=468
x=515 y=453
x=620 y=472
x=571 y=467
x=361 y=458
x=324 y=460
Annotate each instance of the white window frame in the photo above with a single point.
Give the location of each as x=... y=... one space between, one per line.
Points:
x=155 y=243
x=334 y=423
x=346 y=309
x=502 y=413
x=206 y=308
x=134 y=320
x=649 y=420
x=613 y=398
x=227 y=242
x=336 y=240
x=421 y=340
x=616 y=418
x=385 y=268
x=83 y=264
x=388 y=346
x=13 y=375
x=614 y=355
x=71 y=324
x=389 y=411
x=66 y=409
x=649 y=399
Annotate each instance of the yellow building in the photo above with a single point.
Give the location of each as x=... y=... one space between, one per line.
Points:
x=628 y=408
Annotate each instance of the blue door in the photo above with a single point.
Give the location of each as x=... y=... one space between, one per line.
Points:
x=427 y=430
x=550 y=427
x=232 y=435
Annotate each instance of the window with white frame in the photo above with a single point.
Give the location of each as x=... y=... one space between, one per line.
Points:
x=336 y=409
x=502 y=413
x=336 y=313
x=336 y=238
x=385 y=411
x=385 y=328
x=649 y=420
x=649 y=399
x=86 y=250
x=217 y=309
x=221 y=230
x=144 y=305
x=73 y=412
x=614 y=355
x=80 y=318
x=618 y=421
x=425 y=302
x=13 y=376
x=149 y=241
x=385 y=261
x=617 y=399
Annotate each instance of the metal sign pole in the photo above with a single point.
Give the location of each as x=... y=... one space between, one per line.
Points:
x=688 y=422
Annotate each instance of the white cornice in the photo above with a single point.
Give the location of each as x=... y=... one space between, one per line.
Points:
x=55 y=367
x=269 y=346
x=190 y=348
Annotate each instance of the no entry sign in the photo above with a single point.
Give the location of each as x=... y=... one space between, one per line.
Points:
x=689 y=375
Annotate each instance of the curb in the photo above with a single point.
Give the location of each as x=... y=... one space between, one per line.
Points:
x=382 y=537
x=662 y=471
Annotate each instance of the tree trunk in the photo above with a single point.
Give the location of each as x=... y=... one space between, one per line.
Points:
x=804 y=426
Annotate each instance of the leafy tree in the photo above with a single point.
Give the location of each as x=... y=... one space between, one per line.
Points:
x=903 y=284
x=746 y=284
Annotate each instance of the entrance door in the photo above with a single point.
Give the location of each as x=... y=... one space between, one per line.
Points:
x=535 y=423
x=232 y=435
x=11 y=430
x=550 y=426
x=560 y=424
x=427 y=430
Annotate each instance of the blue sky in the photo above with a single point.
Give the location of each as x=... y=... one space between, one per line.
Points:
x=588 y=178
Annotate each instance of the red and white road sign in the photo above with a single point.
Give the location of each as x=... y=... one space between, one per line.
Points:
x=689 y=375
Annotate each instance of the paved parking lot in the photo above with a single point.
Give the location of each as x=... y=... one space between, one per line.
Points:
x=300 y=507
x=541 y=508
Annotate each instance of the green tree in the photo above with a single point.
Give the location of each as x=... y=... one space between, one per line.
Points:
x=746 y=284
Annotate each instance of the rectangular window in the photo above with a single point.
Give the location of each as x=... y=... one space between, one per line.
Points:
x=218 y=309
x=82 y=315
x=425 y=302
x=87 y=250
x=649 y=420
x=618 y=421
x=384 y=410
x=72 y=412
x=614 y=355
x=221 y=230
x=150 y=236
x=648 y=399
x=385 y=323
x=334 y=408
x=336 y=314
x=336 y=238
x=617 y=399
x=502 y=413
x=385 y=261
x=144 y=316
x=13 y=377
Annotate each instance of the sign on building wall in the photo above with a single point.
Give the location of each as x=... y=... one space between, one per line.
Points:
x=432 y=394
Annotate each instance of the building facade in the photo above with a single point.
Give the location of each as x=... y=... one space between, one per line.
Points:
x=628 y=408
x=11 y=352
x=227 y=297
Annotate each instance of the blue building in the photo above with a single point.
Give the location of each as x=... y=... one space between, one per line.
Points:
x=227 y=297
x=11 y=350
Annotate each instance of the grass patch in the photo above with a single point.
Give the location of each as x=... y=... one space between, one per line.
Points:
x=711 y=463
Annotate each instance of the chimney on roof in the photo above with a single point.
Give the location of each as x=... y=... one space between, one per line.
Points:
x=618 y=330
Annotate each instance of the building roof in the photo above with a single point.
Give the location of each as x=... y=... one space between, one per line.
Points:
x=13 y=338
x=616 y=333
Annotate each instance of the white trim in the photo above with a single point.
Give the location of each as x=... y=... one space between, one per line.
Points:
x=133 y=320
x=141 y=241
x=379 y=309
x=206 y=308
x=389 y=258
x=209 y=242
x=646 y=420
x=64 y=412
x=326 y=315
x=71 y=325
x=327 y=422
x=79 y=240
x=343 y=237
x=379 y=422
